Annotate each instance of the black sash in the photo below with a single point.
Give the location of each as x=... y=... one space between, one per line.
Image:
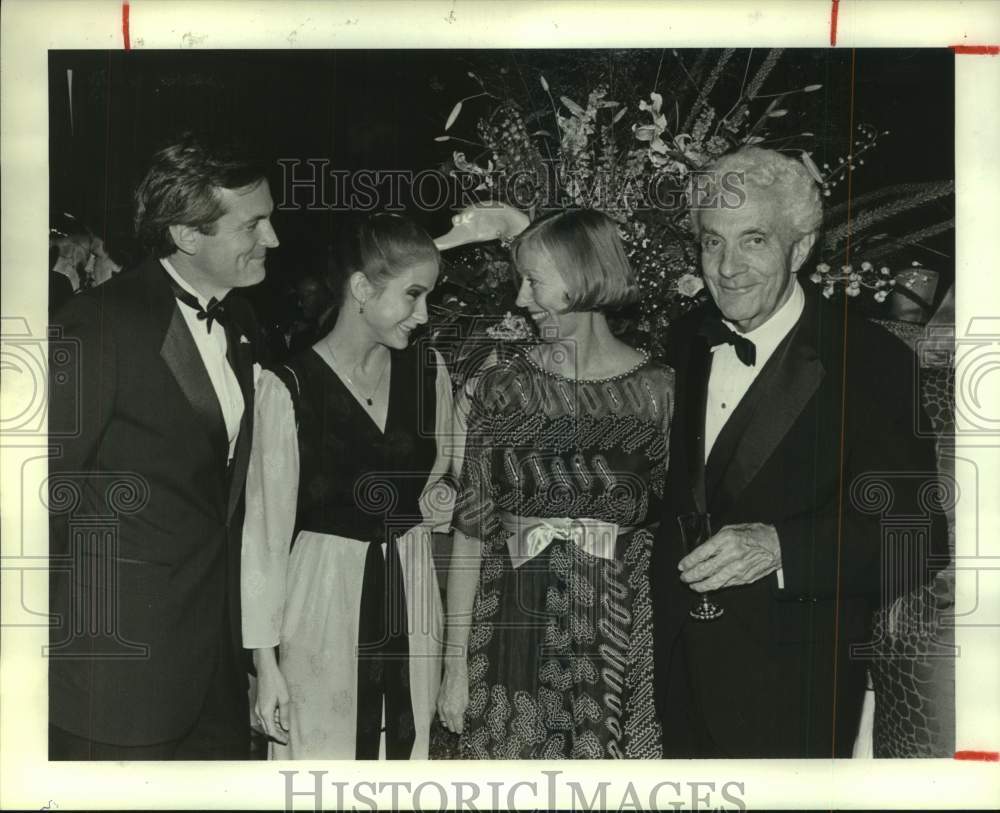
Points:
x=383 y=658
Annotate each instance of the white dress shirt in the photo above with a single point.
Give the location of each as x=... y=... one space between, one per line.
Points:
x=212 y=349
x=730 y=378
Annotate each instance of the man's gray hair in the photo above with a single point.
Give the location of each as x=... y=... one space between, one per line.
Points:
x=764 y=169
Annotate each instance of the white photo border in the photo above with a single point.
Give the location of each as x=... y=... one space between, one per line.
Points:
x=31 y=27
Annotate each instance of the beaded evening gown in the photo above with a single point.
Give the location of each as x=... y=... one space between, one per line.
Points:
x=353 y=604
x=560 y=482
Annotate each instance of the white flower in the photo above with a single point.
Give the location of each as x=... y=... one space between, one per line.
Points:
x=852 y=291
x=884 y=271
x=866 y=266
x=511 y=328
x=823 y=268
x=655 y=106
x=828 y=291
x=816 y=277
x=881 y=295
x=689 y=285
x=463 y=165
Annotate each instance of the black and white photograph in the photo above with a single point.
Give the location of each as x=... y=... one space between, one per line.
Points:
x=390 y=401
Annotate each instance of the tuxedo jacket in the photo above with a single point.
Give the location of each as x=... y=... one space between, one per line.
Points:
x=145 y=513
x=823 y=447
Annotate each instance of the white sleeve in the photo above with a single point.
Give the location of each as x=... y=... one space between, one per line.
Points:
x=271 y=497
x=437 y=503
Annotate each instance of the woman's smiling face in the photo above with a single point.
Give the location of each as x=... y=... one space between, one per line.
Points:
x=399 y=307
x=543 y=291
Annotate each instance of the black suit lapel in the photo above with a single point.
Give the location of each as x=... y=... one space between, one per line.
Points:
x=696 y=398
x=240 y=355
x=764 y=415
x=181 y=356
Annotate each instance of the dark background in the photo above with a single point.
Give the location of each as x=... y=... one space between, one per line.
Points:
x=381 y=109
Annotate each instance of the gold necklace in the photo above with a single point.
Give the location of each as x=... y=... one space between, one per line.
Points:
x=368 y=399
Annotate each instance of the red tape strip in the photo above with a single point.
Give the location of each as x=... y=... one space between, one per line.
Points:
x=988 y=50
x=978 y=756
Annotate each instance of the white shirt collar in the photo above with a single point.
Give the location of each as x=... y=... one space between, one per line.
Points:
x=182 y=282
x=781 y=322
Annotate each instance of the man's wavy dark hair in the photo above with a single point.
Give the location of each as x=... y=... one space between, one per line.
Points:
x=182 y=188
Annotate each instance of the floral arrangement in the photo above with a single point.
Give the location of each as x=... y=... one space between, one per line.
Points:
x=913 y=287
x=631 y=157
x=880 y=281
x=480 y=285
x=879 y=227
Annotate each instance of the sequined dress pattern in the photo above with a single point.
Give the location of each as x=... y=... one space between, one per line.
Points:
x=560 y=652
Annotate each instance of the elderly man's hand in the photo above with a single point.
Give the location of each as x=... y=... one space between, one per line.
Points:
x=738 y=554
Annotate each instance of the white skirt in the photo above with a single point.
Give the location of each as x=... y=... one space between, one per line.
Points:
x=319 y=641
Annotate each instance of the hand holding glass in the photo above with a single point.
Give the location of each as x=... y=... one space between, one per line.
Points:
x=696 y=529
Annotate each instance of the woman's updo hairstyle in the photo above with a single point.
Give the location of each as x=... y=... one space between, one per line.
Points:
x=380 y=246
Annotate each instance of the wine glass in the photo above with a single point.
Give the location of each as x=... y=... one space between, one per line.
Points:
x=696 y=529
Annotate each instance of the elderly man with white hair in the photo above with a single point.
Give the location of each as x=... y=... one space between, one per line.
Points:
x=786 y=405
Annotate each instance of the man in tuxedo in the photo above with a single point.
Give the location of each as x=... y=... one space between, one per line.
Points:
x=787 y=405
x=151 y=416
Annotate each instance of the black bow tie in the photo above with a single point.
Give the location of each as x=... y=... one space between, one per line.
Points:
x=717 y=332
x=215 y=312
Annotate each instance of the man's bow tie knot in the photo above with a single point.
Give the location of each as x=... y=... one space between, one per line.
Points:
x=214 y=312
x=717 y=332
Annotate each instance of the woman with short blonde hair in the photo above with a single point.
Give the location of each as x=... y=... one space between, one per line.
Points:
x=549 y=629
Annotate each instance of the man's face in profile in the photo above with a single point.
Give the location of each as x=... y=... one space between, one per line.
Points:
x=233 y=257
